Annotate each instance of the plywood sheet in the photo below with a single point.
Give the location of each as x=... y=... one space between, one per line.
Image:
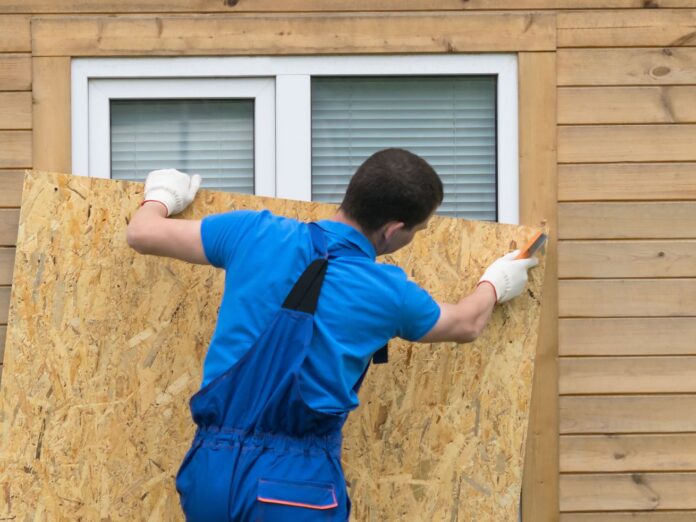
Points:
x=104 y=348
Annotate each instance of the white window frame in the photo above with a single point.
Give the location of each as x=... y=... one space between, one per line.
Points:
x=284 y=171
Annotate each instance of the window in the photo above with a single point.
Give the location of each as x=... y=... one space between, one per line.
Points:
x=298 y=127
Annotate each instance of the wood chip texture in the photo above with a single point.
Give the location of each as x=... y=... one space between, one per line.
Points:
x=104 y=349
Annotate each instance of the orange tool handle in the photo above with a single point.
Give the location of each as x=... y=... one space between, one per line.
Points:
x=533 y=245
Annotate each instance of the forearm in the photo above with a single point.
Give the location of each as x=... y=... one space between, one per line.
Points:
x=473 y=313
x=463 y=322
x=144 y=221
x=150 y=232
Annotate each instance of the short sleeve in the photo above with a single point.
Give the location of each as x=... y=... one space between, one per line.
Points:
x=220 y=234
x=419 y=312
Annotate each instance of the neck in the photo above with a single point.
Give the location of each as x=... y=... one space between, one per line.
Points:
x=341 y=217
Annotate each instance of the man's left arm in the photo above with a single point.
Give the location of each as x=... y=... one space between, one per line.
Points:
x=167 y=192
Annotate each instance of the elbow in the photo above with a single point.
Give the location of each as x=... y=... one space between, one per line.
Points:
x=471 y=331
x=135 y=238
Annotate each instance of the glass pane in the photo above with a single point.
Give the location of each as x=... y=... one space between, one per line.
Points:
x=213 y=138
x=451 y=122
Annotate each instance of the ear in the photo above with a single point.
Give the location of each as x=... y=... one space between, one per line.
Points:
x=391 y=228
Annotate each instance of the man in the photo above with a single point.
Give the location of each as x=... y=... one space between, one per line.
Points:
x=304 y=309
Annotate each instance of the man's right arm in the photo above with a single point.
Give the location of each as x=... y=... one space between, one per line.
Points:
x=463 y=322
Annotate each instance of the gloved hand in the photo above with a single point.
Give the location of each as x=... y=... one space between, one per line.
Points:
x=171 y=187
x=508 y=275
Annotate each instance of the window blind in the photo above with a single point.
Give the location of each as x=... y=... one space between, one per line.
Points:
x=449 y=121
x=213 y=138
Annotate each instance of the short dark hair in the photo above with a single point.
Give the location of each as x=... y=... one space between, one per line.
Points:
x=392 y=185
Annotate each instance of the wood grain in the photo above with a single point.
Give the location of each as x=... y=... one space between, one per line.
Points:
x=7 y=257
x=632 y=516
x=52 y=135
x=628 y=336
x=15 y=110
x=626 y=181
x=628 y=414
x=644 y=491
x=605 y=259
x=292 y=34
x=4 y=303
x=618 y=143
x=638 y=66
x=14 y=34
x=640 y=220
x=607 y=375
x=664 y=104
x=627 y=298
x=15 y=72
x=9 y=221
x=638 y=28
x=11 y=187
x=616 y=453
x=15 y=149
x=271 y=6
x=538 y=187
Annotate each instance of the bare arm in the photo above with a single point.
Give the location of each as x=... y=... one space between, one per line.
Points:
x=463 y=322
x=151 y=232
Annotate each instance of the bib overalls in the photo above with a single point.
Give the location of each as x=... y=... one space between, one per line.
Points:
x=260 y=451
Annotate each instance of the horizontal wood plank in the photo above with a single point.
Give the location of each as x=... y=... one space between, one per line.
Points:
x=626 y=181
x=4 y=303
x=15 y=72
x=631 y=516
x=641 y=66
x=15 y=110
x=645 y=27
x=14 y=34
x=639 y=220
x=616 y=453
x=628 y=414
x=3 y=337
x=665 y=104
x=612 y=375
x=7 y=258
x=9 y=224
x=606 y=259
x=15 y=149
x=272 y=6
x=627 y=336
x=11 y=187
x=646 y=491
x=619 y=143
x=627 y=298
x=292 y=34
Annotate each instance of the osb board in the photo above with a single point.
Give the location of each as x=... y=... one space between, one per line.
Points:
x=104 y=348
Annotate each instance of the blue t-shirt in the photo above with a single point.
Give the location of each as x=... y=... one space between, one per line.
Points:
x=362 y=304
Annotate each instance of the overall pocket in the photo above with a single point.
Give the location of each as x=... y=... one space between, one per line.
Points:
x=296 y=500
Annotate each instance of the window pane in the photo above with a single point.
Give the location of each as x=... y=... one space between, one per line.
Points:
x=213 y=138
x=448 y=121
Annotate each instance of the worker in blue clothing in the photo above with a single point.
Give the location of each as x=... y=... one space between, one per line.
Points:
x=304 y=310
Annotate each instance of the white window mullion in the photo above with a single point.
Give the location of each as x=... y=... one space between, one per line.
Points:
x=293 y=137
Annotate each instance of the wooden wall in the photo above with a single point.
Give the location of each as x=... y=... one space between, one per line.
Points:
x=622 y=76
x=627 y=262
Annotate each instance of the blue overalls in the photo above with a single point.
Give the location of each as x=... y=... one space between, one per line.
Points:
x=260 y=453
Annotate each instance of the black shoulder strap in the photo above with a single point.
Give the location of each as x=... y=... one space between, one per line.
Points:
x=304 y=296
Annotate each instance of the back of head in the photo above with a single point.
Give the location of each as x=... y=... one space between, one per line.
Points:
x=392 y=185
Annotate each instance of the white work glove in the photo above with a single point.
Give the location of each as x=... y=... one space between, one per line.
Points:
x=508 y=275
x=171 y=187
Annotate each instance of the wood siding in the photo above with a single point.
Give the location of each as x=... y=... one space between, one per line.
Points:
x=618 y=77
x=627 y=265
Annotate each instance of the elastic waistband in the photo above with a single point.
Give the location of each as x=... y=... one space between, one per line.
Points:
x=235 y=437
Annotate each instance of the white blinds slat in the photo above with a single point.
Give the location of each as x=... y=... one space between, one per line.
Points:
x=213 y=138
x=449 y=121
